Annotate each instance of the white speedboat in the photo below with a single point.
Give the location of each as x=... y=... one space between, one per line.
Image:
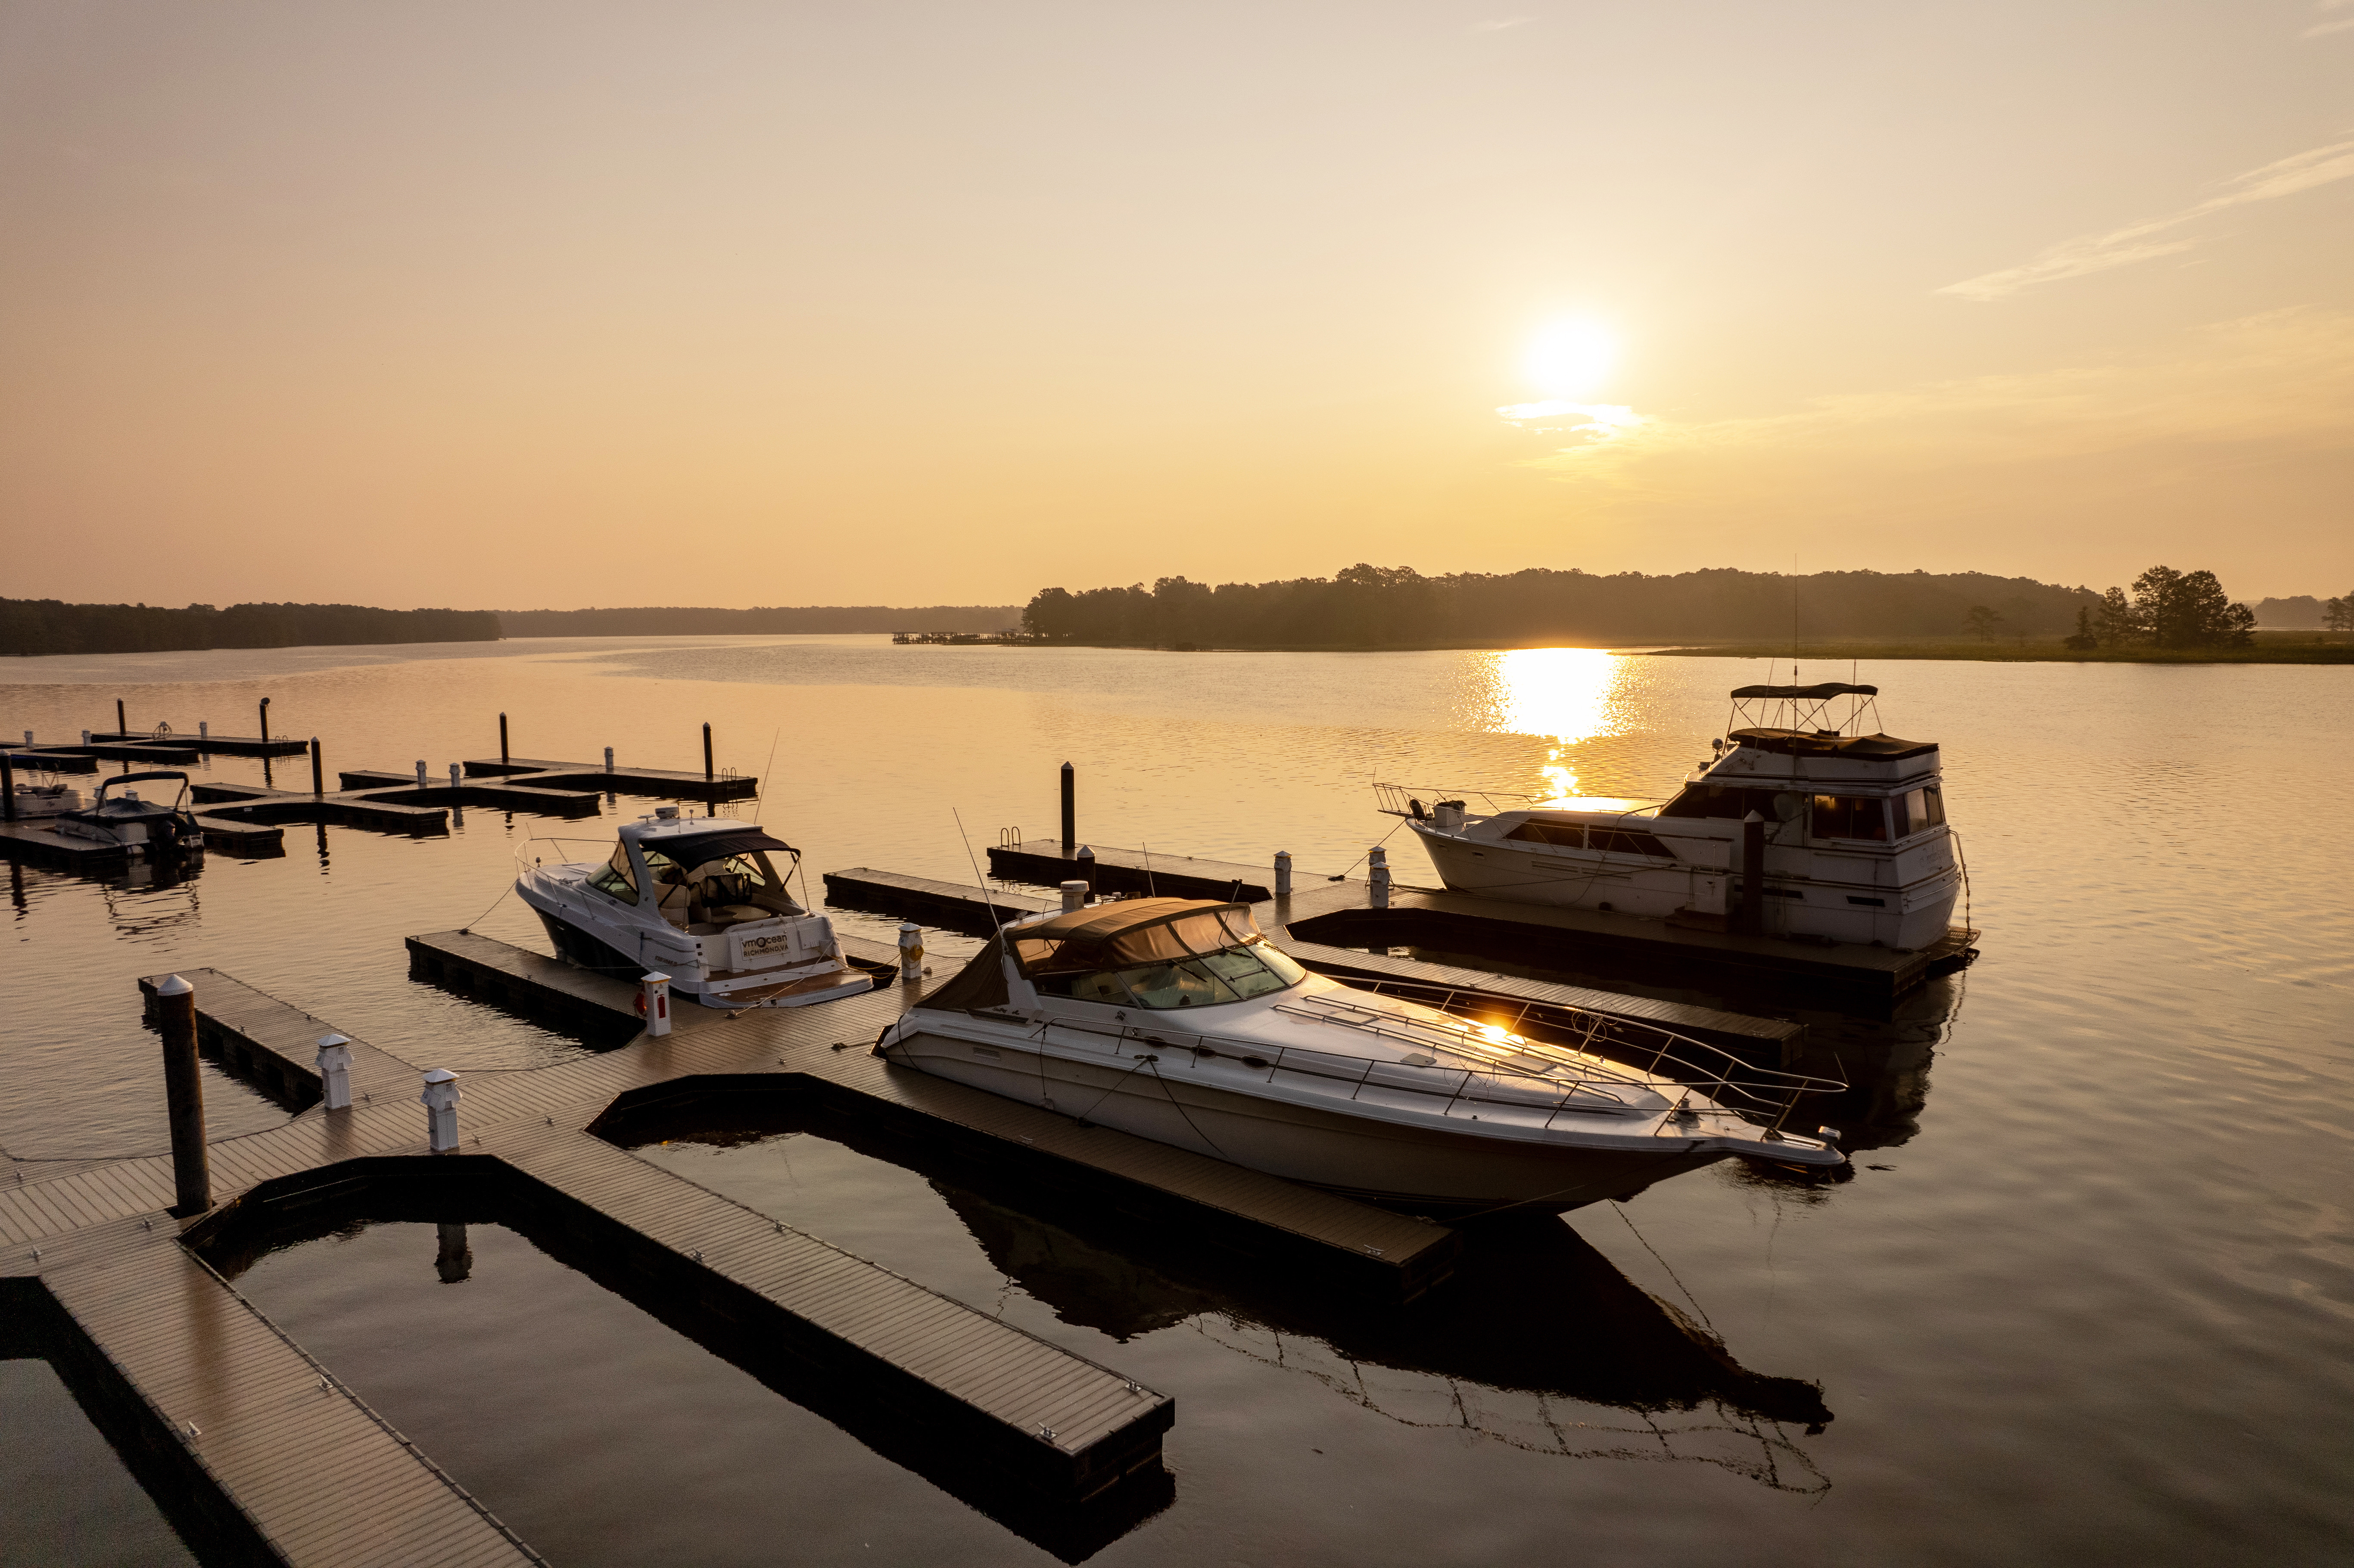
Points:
x=47 y=798
x=1847 y=837
x=142 y=827
x=1176 y=1019
x=699 y=900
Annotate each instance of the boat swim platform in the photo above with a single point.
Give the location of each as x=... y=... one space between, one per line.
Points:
x=1454 y=987
x=1339 y=913
x=662 y=784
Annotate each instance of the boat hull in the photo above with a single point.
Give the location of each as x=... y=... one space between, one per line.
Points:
x=1426 y=1169
x=577 y=944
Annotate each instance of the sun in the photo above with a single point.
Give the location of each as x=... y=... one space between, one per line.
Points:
x=1571 y=358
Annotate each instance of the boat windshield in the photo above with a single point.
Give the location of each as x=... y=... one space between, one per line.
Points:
x=724 y=890
x=1230 y=974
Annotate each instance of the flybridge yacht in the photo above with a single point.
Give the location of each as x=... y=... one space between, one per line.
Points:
x=1176 y=1019
x=696 y=898
x=1852 y=842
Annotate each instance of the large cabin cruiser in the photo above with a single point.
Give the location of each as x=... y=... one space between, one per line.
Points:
x=699 y=900
x=1176 y=1019
x=1854 y=842
x=142 y=827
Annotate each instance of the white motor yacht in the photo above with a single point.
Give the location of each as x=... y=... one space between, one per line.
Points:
x=142 y=827
x=699 y=900
x=1842 y=833
x=1176 y=1019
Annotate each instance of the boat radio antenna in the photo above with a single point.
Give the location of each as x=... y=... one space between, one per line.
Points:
x=978 y=880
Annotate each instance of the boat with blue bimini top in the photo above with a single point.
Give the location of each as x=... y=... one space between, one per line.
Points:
x=1177 y=1020
x=1855 y=847
x=698 y=898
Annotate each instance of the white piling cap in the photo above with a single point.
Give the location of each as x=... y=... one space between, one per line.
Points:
x=173 y=985
x=328 y=1040
x=441 y=1076
x=656 y=979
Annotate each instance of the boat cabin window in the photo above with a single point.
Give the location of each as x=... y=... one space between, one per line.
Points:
x=619 y=879
x=1232 y=974
x=1608 y=841
x=715 y=894
x=1849 y=816
x=1918 y=809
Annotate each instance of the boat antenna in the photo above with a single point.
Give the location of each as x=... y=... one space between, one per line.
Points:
x=978 y=880
x=1148 y=891
x=762 y=798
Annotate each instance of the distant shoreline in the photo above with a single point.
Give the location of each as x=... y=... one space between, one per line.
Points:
x=2270 y=648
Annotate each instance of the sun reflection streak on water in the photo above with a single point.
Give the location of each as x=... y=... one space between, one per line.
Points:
x=1568 y=695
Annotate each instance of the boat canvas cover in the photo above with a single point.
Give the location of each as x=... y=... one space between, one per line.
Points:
x=690 y=850
x=1135 y=931
x=1803 y=694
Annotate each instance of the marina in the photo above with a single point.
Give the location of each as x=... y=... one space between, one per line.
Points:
x=617 y=1156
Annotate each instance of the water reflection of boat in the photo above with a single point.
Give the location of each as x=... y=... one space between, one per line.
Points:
x=1176 y=1019
x=698 y=898
x=1856 y=847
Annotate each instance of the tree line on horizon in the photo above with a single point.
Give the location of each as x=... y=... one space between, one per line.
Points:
x=1369 y=606
x=768 y=620
x=30 y=627
x=2166 y=608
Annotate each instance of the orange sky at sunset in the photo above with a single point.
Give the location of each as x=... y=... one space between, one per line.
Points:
x=533 y=304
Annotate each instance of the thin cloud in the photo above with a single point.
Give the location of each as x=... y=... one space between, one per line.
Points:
x=1500 y=23
x=2138 y=241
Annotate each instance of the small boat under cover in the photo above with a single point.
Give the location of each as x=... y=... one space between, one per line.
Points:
x=1178 y=1020
x=142 y=827
x=699 y=900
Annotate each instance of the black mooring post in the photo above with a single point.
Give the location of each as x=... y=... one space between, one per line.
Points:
x=184 y=1095
x=1070 y=808
x=318 y=772
x=503 y=740
x=265 y=721
x=1087 y=858
x=708 y=776
x=1751 y=920
x=7 y=789
x=121 y=724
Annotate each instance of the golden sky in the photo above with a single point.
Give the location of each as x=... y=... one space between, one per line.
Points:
x=502 y=304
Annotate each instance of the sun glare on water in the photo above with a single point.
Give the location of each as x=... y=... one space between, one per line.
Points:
x=1564 y=695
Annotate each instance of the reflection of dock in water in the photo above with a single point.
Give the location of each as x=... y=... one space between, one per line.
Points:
x=1538 y=1340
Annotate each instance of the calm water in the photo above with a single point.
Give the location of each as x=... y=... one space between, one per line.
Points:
x=2088 y=1298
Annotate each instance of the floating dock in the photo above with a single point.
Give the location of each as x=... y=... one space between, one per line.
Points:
x=659 y=783
x=33 y=841
x=1339 y=913
x=209 y=745
x=256 y=1450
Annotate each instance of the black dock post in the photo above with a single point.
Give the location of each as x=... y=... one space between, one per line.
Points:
x=1087 y=859
x=1070 y=808
x=184 y=1095
x=1751 y=920
x=121 y=724
x=708 y=776
x=7 y=789
x=265 y=722
x=503 y=740
x=318 y=773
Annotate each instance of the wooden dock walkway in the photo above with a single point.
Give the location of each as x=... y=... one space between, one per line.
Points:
x=662 y=784
x=212 y=745
x=1041 y=862
x=953 y=906
x=274 y=1453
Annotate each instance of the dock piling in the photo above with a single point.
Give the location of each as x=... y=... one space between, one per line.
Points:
x=1377 y=876
x=420 y=773
x=1283 y=873
x=1070 y=808
x=1075 y=896
x=121 y=724
x=318 y=768
x=441 y=1101
x=709 y=774
x=265 y=724
x=1087 y=862
x=7 y=789
x=454 y=782
x=204 y=733
x=655 y=1003
x=503 y=740
x=911 y=952
x=335 y=1071
x=184 y=1096
x=608 y=760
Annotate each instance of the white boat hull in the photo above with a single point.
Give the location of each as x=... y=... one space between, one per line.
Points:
x=1395 y=1162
